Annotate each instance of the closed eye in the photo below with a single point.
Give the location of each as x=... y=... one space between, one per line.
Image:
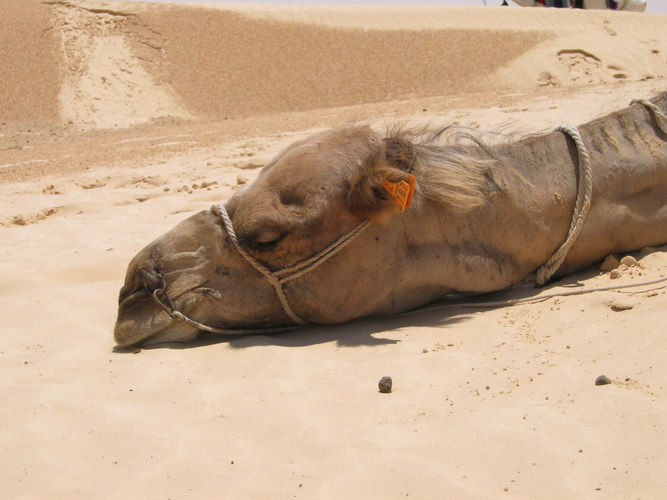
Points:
x=264 y=243
x=266 y=231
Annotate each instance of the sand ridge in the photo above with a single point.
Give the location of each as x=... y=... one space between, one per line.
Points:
x=209 y=62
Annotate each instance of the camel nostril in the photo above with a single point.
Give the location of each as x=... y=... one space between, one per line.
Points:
x=151 y=280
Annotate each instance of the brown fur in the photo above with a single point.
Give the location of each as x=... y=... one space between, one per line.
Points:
x=483 y=218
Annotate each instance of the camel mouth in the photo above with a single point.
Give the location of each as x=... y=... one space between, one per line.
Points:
x=141 y=322
x=128 y=333
x=132 y=298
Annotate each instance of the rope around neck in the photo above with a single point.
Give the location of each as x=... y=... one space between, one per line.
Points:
x=581 y=207
x=584 y=192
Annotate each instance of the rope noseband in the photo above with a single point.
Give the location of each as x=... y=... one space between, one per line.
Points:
x=279 y=277
x=276 y=278
x=174 y=313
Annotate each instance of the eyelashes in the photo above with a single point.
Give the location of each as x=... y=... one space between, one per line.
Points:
x=263 y=241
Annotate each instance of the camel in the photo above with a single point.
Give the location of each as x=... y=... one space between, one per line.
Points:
x=350 y=223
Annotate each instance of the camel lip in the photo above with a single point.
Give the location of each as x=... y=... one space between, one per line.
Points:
x=139 y=319
x=133 y=298
x=128 y=334
x=141 y=322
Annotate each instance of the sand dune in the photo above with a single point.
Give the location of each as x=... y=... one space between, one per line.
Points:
x=120 y=119
x=30 y=57
x=115 y=64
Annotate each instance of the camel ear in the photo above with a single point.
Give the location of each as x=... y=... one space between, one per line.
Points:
x=380 y=191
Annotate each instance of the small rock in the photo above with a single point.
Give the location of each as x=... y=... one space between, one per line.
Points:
x=241 y=180
x=629 y=261
x=609 y=263
x=385 y=384
x=616 y=273
x=602 y=380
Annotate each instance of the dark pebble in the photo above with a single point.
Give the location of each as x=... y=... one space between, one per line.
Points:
x=385 y=384
x=602 y=380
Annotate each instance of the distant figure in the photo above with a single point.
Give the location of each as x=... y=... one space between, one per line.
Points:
x=554 y=3
x=626 y=5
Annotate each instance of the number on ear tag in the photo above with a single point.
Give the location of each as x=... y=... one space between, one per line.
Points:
x=401 y=192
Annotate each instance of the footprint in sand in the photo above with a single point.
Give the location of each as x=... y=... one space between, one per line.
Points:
x=546 y=78
x=94 y=184
x=608 y=28
x=617 y=72
x=583 y=66
x=27 y=219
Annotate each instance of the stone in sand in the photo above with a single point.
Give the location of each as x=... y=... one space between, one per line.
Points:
x=629 y=261
x=609 y=263
x=385 y=384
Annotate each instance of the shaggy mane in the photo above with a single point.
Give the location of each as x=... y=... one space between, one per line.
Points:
x=451 y=165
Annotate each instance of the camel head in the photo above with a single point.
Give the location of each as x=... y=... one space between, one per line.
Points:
x=307 y=197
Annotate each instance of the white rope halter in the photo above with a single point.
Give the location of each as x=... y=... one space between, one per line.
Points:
x=277 y=278
x=281 y=276
x=544 y=273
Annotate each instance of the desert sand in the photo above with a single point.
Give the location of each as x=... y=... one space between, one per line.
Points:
x=117 y=120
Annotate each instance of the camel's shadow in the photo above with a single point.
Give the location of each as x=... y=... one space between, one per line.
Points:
x=448 y=312
x=360 y=332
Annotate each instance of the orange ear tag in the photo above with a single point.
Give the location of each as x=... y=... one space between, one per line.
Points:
x=401 y=192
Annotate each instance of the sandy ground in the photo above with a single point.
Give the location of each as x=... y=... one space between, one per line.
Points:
x=119 y=120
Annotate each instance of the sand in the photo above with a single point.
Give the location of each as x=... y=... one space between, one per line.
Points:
x=118 y=120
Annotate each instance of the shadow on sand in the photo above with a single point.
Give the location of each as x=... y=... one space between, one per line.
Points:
x=361 y=332
x=368 y=331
